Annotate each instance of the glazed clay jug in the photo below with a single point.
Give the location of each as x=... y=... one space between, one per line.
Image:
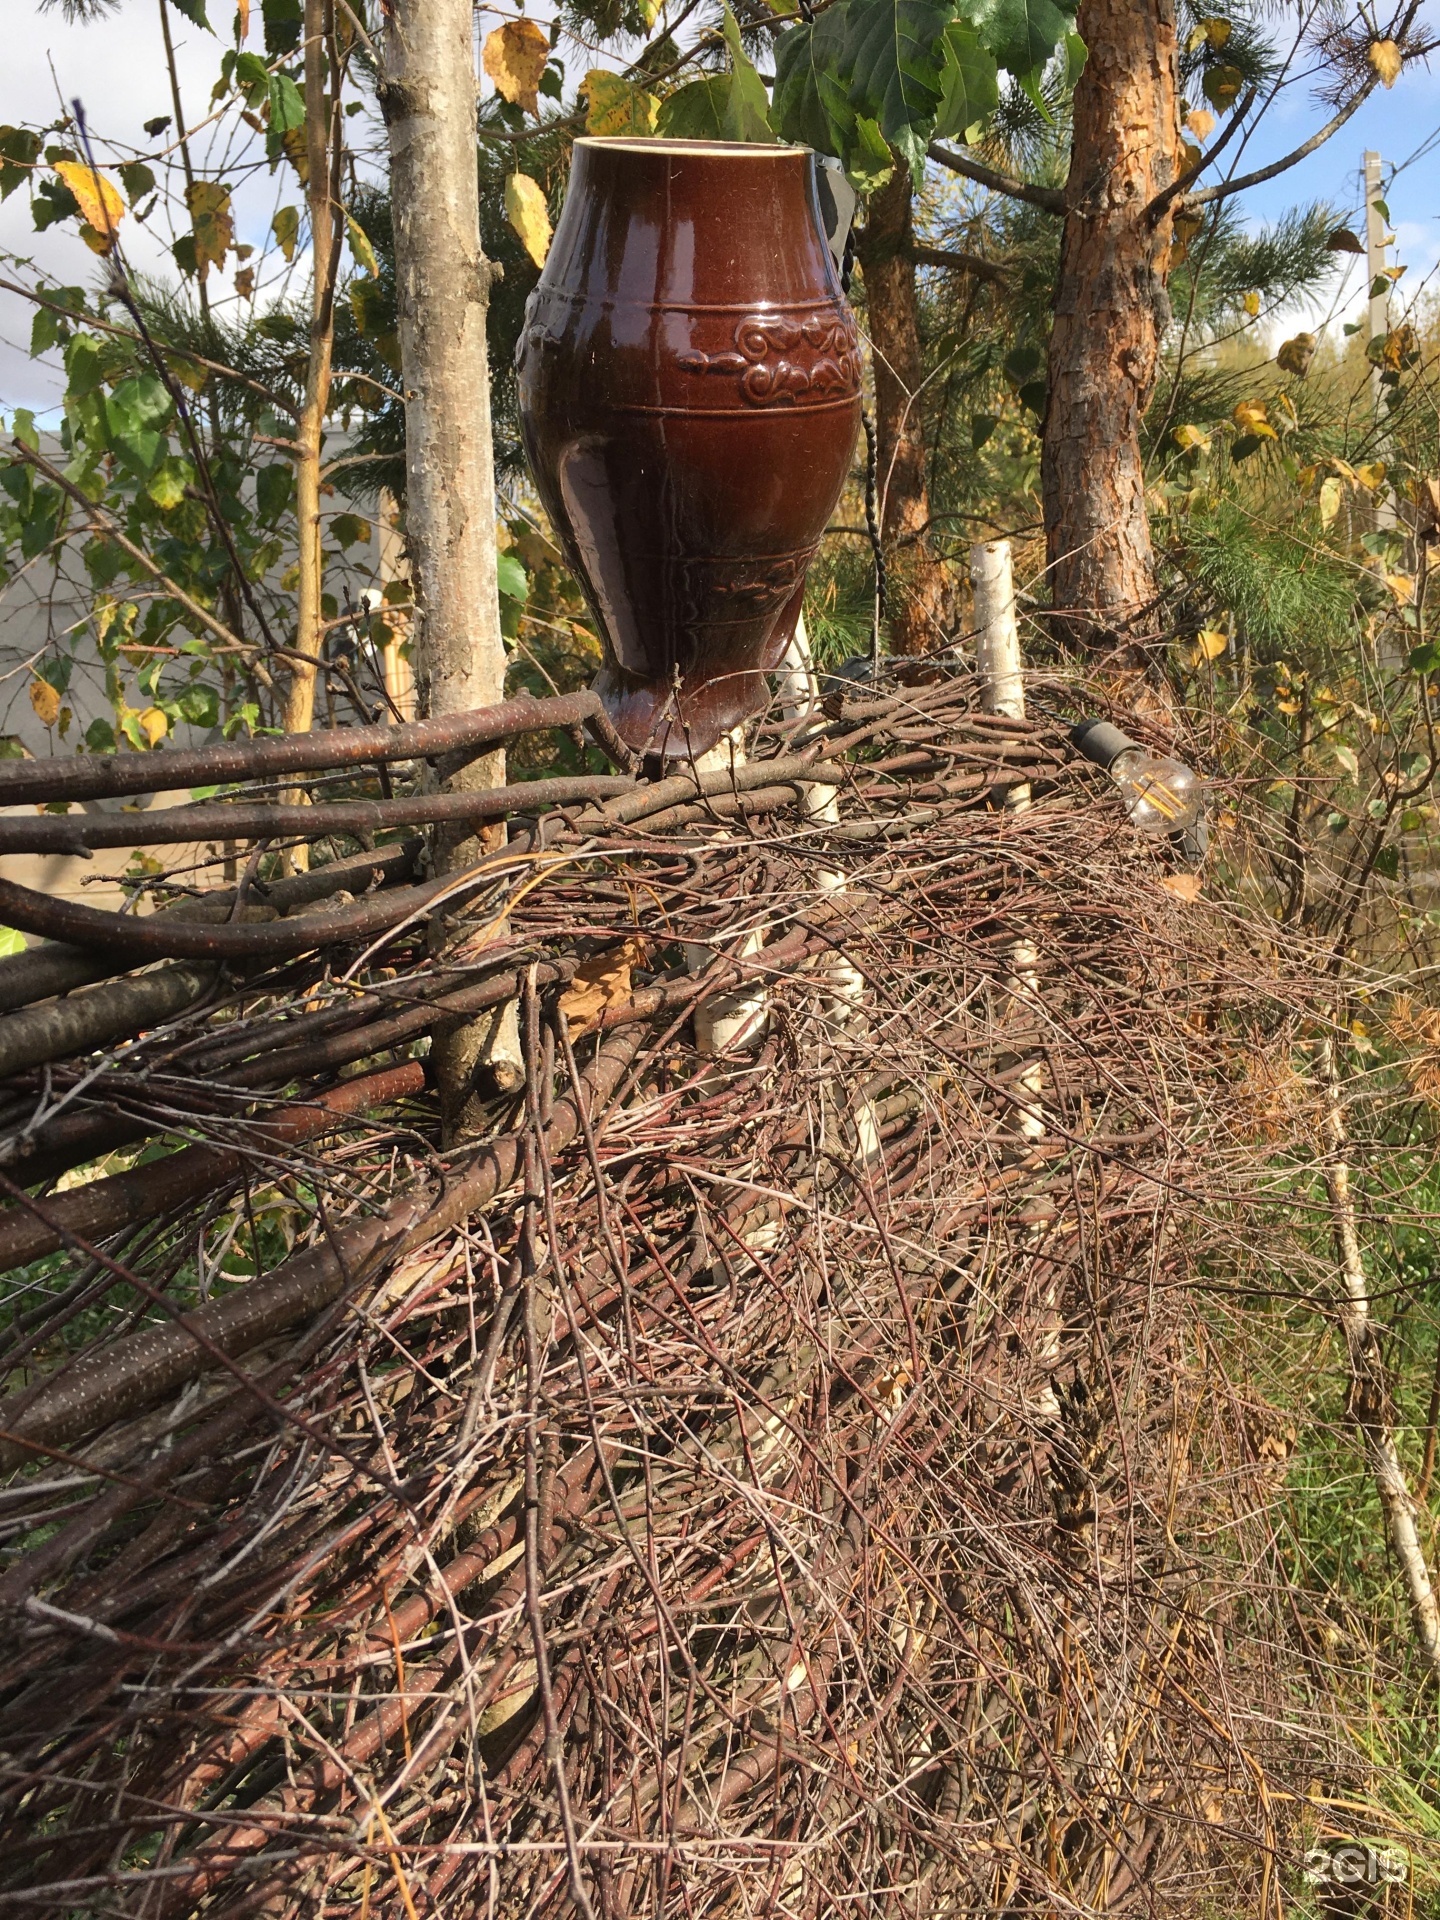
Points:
x=690 y=396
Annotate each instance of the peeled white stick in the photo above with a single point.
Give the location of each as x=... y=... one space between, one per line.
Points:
x=739 y=1019
x=799 y=691
x=1002 y=690
x=997 y=642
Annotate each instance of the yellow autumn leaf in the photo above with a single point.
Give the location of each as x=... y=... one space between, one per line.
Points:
x=242 y=20
x=528 y=214
x=1285 y=406
x=46 y=702
x=1200 y=123
x=154 y=725
x=101 y=206
x=1371 y=474
x=1251 y=304
x=1330 y=495
x=1344 y=469
x=515 y=57
x=1402 y=586
x=1251 y=417
x=1213 y=33
x=1187 y=437
x=209 y=205
x=1190 y=156
x=1387 y=60
x=618 y=108
x=360 y=248
x=1212 y=642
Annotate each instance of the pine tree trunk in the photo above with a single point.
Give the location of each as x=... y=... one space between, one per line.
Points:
x=915 y=578
x=427 y=94
x=1110 y=313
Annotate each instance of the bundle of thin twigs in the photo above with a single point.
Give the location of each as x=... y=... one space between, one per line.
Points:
x=739 y=1484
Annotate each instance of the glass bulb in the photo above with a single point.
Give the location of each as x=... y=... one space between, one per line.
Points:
x=1163 y=797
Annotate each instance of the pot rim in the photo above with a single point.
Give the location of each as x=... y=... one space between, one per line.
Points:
x=657 y=144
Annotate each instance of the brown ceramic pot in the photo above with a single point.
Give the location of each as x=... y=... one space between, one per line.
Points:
x=690 y=396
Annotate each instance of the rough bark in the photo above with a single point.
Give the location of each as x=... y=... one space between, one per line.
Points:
x=427 y=94
x=1110 y=313
x=320 y=114
x=916 y=583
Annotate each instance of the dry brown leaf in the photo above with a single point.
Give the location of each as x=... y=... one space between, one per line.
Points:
x=1200 y=123
x=1184 y=886
x=599 y=984
x=515 y=57
x=101 y=206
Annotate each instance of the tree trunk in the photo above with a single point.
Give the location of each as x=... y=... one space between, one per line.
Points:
x=915 y=578
x=321 y=127
x=1110 y=313
x=428 y=97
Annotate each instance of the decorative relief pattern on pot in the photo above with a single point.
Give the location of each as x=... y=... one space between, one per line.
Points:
x=726 y=591
x=780 y=359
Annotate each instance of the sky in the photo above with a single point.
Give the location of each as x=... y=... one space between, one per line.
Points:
x=116 y=68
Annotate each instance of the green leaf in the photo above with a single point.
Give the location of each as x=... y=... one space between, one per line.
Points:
x=273 y=485
x=697 y=111
x=100 y=737
x=284 y=23
x=19 y=150
x=200 y=706
x=811 y=103
x=1387 y=863
x=896 y=54
x=137 y=180
x=969 y=83
x=1348 y=760
x=286 y=229
x=1221 y=86
x=11 y=941
x=193 y=10
x=747 y=110
x=287 y=105
x=1022 y=34
x=982 y=425
x=166 y=486
x=84 y=364
x=52 y=201
x=346 y=529
x=511 y=576
x=1425 y=659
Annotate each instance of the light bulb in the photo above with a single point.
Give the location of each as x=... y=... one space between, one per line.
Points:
x=1163 y=797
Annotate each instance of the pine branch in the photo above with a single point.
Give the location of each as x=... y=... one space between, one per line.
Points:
x=1050 y=198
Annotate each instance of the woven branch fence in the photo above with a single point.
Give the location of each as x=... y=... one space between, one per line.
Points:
x=771 y=1482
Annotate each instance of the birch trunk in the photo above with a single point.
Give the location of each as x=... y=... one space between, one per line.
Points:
x=320 y=121
x=427 y=94
x=1369 y=1397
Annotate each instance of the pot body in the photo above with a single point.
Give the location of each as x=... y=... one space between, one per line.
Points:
x=689 y=396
